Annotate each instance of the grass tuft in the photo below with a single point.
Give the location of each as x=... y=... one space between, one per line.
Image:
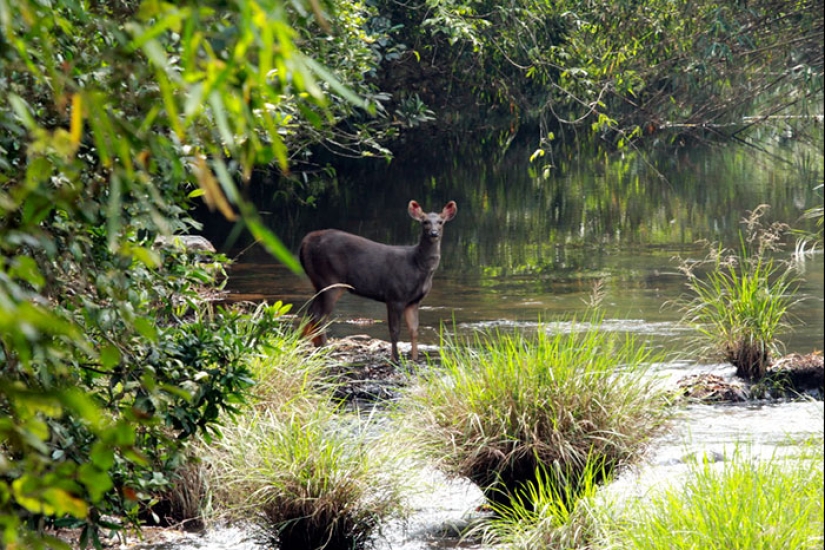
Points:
x=313 y=475
x=545 y=513
x=743 y=301
x=313 y=478
x=509 y=404
x=744 y=504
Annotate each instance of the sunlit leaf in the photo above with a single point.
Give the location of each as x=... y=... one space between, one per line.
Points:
x=113 y=218
x=26 y=269
x=334 y=83
x=29 y=494
x=109 y=356
x=227 y=181
x=77 y=120
x=212 y=193
x=194 y=100
x=38 y=170
x=273 y=244
x=148 y=257
x=146 y=328
x=82 y=404
x=219 y=112
x=95 y=478
x=21 y=109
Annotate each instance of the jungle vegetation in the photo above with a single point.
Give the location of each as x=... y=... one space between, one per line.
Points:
x=118 y=116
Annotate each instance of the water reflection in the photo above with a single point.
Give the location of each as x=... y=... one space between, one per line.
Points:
x=518 y=217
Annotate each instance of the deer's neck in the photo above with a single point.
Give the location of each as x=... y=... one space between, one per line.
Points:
x=428 y=254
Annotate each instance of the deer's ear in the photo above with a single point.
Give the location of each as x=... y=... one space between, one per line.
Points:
x=449 y=211
x=415 y=211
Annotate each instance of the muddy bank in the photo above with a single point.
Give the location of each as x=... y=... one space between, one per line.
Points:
x=793 y=376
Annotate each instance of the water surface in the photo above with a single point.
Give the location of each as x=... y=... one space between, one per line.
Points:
x=530 y=243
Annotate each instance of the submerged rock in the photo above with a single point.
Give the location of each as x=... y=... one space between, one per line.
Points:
x=362 y=370
x=712 y=388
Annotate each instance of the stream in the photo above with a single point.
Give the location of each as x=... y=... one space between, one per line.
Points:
x=526 y=250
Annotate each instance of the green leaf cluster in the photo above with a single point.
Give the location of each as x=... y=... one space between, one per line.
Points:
x=622 y=71
x=118 y=115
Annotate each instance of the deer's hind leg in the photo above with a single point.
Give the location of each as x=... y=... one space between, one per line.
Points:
x=394 y=310
x=319 y=311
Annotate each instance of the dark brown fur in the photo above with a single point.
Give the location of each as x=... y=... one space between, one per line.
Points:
x=399 y=276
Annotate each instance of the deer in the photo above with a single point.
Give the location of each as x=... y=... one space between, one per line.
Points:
x=399 y=276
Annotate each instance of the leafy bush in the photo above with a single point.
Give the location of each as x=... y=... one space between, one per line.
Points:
x=160 y=396
x=117 y=115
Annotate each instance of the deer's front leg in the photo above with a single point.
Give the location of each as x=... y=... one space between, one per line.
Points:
x=411 y=316
x=394 y=321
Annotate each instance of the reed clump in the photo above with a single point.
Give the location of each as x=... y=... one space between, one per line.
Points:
x=314 y=480
x=505 y=406
x=545 y=513
x=311 y=474
x=740 y=300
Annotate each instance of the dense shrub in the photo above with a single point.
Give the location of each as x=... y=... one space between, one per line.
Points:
x=115 y=116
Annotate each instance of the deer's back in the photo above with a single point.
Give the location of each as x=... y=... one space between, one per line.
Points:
x=373 y=270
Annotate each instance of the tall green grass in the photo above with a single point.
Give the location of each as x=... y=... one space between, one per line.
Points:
x=741 y=304
x=504 y=405
x=290 y=373
x=545 y=514
x=311 y=474
x=744 y=504
x=313 y=478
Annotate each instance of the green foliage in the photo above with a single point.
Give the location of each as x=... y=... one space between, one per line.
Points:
x=119 y=445
x=117 y=116
x=741 y=504
x=505 y=405
x=625 y=70
x=743 y=301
